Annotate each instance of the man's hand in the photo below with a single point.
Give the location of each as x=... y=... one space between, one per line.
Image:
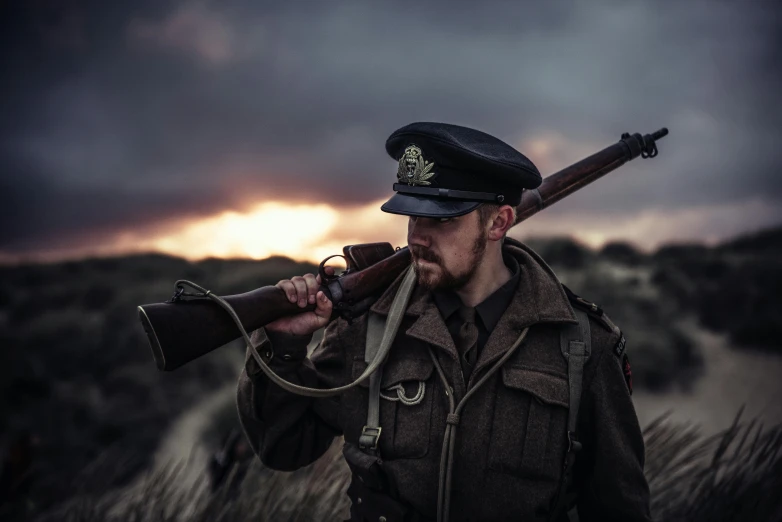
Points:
x=304 y=290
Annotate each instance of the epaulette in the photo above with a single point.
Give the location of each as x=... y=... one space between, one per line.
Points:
x=590 y=308
x=597 y=313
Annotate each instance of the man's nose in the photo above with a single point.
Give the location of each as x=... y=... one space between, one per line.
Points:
x=417 y=233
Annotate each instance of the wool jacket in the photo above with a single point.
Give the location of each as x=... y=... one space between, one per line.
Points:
x=512 y=439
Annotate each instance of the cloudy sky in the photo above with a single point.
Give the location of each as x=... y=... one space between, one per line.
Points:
x=248 y=128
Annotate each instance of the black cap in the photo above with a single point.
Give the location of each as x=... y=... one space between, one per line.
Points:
x=448 y=170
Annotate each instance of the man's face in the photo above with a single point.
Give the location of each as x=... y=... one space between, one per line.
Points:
x=446 y=253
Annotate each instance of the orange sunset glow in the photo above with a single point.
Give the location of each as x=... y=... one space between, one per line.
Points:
x=313 y=232
x=307 y=232
x=299 y=231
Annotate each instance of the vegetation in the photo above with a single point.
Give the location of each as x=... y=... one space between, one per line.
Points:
x=732 y=476
x=83 y=409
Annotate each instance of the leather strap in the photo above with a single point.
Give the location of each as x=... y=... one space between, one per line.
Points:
x=449 y=193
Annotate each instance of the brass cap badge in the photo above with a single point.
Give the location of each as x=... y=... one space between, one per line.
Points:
x=413 y=169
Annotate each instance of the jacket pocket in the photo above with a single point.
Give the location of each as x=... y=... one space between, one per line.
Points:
x=529 y=430
x=406 y=390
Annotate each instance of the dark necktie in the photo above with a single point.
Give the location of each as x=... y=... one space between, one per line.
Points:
x=467 y=342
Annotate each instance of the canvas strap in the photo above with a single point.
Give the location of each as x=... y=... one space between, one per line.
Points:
x=380 y=335
x=371 y=433
x=576 y=346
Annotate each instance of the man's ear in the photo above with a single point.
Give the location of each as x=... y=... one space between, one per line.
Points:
x=501 y=223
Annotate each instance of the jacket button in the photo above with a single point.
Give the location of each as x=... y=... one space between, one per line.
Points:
x=381 y=519
x=359 y=501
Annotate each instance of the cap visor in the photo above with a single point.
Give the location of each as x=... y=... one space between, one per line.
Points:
x=410 y=205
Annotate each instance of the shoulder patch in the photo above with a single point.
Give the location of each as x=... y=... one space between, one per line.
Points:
x=590 y=308
x=628 y=372
x=619 y=348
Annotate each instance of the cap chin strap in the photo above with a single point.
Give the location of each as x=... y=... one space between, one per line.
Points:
x=449 y=193
x=395 y=315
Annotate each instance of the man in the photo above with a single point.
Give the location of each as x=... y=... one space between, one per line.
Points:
x=476 y=394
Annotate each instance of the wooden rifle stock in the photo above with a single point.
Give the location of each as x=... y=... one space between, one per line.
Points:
x=182 y=330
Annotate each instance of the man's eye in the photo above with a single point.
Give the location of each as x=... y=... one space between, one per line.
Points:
x=445 y=220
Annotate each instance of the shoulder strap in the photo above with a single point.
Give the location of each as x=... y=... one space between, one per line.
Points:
x=380 y=335
x=371 y=432
x=576 y=344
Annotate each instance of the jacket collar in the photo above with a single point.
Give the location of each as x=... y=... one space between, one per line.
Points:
x=539 y=298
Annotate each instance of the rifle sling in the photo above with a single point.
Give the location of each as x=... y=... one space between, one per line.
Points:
x=395 y=315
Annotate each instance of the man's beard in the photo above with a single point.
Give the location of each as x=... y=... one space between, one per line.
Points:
x=433 y=278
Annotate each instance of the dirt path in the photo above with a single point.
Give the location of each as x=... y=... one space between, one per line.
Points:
x=183 y=444
x=732 y=378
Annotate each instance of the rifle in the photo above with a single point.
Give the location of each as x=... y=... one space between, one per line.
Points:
x=183 y=329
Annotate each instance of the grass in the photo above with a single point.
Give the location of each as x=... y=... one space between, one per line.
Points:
x=76 y=374
x=735 y=475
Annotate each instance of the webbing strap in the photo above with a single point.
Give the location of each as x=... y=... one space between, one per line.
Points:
x=577 y=353
x=371 y=433
x=380 y=334
x=576 y=345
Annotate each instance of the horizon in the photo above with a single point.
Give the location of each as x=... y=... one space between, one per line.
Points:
x=7 y=262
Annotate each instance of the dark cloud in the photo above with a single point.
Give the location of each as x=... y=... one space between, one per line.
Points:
x=117 y=115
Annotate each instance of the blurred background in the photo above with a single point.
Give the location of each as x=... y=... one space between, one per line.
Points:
x=236 y=143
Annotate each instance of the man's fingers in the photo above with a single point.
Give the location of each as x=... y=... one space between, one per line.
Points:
x=324 y=306
x=329 y=272
x=290 y=291
x=301 y=290
x=312 y=287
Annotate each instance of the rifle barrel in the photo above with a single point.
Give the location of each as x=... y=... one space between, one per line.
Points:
x=584 y=172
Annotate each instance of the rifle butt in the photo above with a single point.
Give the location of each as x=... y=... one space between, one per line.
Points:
x=181 y=331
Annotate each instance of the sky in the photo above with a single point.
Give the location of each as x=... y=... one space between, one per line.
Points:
x=249 y=129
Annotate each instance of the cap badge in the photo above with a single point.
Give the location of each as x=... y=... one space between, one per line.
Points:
x=413 y=169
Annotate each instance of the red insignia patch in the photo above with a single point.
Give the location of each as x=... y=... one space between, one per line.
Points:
x=628 y=373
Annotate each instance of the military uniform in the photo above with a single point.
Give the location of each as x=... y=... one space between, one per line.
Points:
x=512 y=436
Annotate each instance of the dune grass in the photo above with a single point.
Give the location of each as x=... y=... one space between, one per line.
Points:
x=734 y=475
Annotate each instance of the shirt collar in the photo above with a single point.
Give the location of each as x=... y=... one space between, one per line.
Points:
x=490 y=310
